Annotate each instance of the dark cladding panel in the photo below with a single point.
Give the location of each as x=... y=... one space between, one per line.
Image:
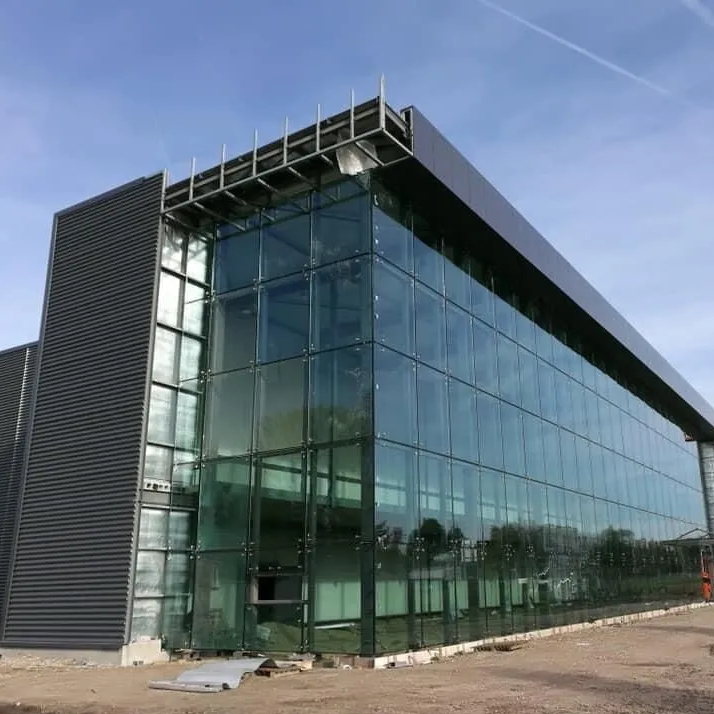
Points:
x=17 y=373
x=73 y=562
x=436 y=154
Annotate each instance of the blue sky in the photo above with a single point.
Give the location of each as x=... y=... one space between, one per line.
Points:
x=614 y=163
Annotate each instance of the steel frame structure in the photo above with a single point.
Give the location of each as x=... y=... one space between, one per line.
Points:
x=299 y=161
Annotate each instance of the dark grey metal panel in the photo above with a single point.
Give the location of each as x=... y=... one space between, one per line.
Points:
x=69 y=585
x=17 y=373
x=436 y=154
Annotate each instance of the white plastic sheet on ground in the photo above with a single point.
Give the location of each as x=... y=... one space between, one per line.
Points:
x=214 y=676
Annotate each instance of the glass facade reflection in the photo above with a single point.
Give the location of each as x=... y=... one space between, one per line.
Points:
x=382 y=444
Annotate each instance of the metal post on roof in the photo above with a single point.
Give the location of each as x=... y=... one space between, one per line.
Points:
x=352 y=114
x=191 y=178
x=382 y=104
x=255 y=153
x=285 y=142
x=222 y=174
x=317 y=129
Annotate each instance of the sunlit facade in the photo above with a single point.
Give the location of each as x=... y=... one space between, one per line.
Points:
x=380 y=444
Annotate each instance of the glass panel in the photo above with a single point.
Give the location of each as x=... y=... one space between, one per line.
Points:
x=535 y=455
x=187 y=436
x=277 y=627
x=546 y=387
x=460 y=344
x=336 y=597
x=341 y=305
x=434 y=501
x=158 y=462
x=482 y=299
x=428 y=261
x=505 y=317
x=485 y=357
x=185 y=470
x=146 y=618
x=341 y=230
x=223 y=505
x=339 y=190
x=338 y=492
x=434 y=599
x=191 y=353
x=395 y=474
x=564 y=399
x=433 y=410
x=181 y=530
x=169 y=301
x=197 y=258
x=512 y=429
x=462 y=419
x=229 y=414
x=153 y=529
x=237 y=261
x=457 y=284
x=194 y=313
x=430 y=327
x=525 y=329
x=395 y=400
x=165 y=366
x=234 y=330
x=177 y=574
x=489 y=430
x=466 y=494
x=281 y=405
x=553 y=460
x=544 y=343
x=395 y=596
x=149 y=573
x=173 y=247
x=162 y=413
x=528 y=367
x=285 y=247
x=219 y=600
x=508 y=372
x=493 y=513
x=569 y=460
x=284 y=307
x=340 y=394
x=393 y=307
x=392 y=231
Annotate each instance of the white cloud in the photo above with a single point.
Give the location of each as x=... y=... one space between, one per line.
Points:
x=705 y=14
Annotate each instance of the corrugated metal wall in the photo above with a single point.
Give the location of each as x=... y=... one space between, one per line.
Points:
x=72 y=570
x=17 y=374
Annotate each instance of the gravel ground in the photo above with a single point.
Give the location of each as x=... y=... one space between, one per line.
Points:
x=661 y=665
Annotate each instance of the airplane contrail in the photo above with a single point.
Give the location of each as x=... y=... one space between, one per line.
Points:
x=697 y=7
x=643 y=81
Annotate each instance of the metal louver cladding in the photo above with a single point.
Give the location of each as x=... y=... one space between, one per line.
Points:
x=70 y=582
x=17 y=375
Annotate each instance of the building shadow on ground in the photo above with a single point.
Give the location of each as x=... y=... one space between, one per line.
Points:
x=630 y=695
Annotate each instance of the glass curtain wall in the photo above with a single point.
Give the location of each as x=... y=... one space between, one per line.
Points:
x=163 y=570
x=283 y=547
x=393 y=446
x=518 y=485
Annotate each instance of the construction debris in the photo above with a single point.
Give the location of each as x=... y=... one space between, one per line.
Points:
x=214 y=677
x=500 y=647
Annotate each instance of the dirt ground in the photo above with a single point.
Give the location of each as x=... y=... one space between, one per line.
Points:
x=660 y=665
